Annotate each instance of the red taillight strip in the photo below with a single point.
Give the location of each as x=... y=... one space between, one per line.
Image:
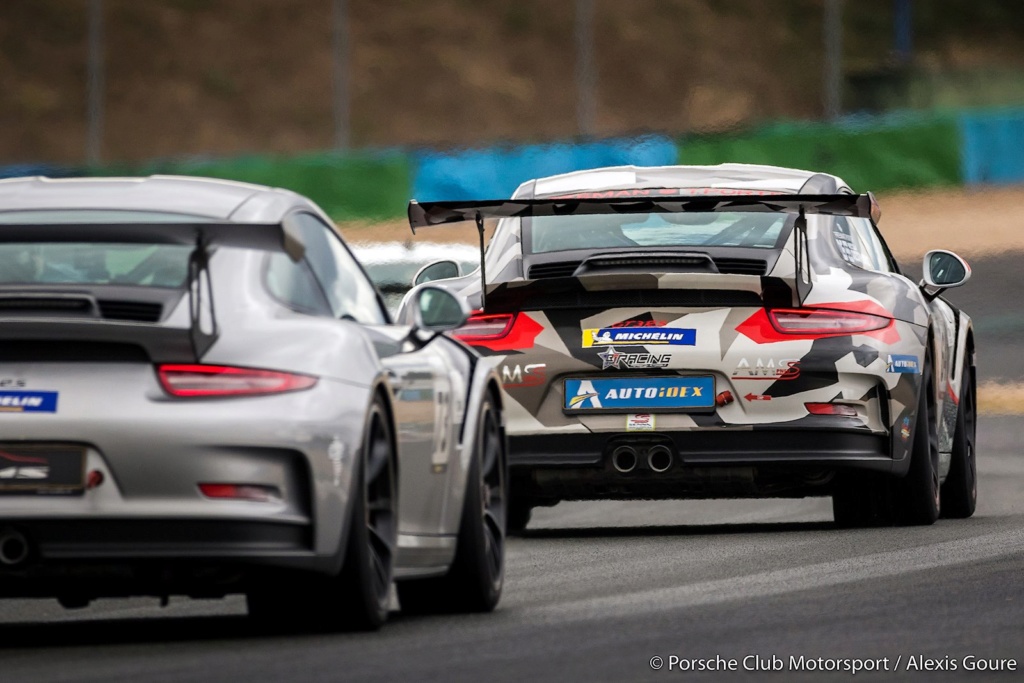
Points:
x=763 y=328
x=810 y=321
x=520 y=333
x=198 y=381
x=497 y=327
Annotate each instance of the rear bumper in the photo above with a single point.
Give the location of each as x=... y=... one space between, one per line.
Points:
x=717 y=463
x=113 y=558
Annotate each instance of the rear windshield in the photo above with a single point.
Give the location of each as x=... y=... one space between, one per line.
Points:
x=604 y=231
x=147 y=265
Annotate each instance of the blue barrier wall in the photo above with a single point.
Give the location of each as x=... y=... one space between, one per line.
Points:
x=992 y=147
x=497 y=172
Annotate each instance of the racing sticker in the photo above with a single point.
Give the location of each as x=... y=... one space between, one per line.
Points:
x=902 y=364
x=639 y=336
x=640 y=422
x=641 y=392
x=610 y=358
x=28 y=401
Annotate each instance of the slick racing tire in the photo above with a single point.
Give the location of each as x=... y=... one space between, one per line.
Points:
x=960 y=490
x=475 y=579
x=918 y=495
x=862 y=499
x=519 y=512
x=357 y=598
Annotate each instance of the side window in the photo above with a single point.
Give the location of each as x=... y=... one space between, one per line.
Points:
x=857 y=244
x=293 y=284
x=873 y=245
x=348 y=291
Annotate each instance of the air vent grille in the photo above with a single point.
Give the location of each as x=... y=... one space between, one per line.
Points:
x=136 y=311
x=731 y=266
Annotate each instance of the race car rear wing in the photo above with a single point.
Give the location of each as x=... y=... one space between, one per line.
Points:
x=643 y=200
x=160 y=341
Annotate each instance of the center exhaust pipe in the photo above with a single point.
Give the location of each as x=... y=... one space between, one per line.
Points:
x=14 y=548
x=659 y=458
x=624 y=459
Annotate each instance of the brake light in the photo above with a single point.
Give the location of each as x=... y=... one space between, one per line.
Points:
x=207 y=381
x=481 y=328
x=831 y=409
x=821 y=322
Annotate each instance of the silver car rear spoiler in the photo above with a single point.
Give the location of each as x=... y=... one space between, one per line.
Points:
x=644 y=200
x=160 y=341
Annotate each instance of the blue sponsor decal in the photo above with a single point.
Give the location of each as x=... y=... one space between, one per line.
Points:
x=642 y=392
x=902 y=364
x=639 y=336
x=28 y=401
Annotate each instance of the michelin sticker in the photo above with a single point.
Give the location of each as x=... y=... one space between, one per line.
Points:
x=641 y=392
x=902 y=364
x=28 y=401
x=639 y=336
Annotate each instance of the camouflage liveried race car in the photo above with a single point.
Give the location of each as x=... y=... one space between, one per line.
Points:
x=719 y=331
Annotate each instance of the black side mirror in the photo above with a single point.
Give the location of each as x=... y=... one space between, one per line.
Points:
x=942 y=270
x=438 y=270
x=438 y=310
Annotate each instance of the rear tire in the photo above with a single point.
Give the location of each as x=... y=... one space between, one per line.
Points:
x=960 y=490
x=475 y=579
x=357 y=598
x=862 y=500
x=519 y=512
x=918 y=494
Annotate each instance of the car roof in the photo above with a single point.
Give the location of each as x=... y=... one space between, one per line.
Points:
x=722 y=176
x=214 y=199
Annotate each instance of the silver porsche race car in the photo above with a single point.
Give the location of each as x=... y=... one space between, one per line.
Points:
x=718 y=331
x=201 y=393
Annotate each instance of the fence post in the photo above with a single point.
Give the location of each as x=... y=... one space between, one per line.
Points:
x=340 y=51
x=586 y=74
x=94 y=85
x=833 y=37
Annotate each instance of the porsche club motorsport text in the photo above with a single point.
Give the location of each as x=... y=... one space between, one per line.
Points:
x=851 y=665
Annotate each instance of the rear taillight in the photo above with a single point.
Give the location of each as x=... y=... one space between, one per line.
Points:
x=809 y=321
x=481 y=328
x=209 y=381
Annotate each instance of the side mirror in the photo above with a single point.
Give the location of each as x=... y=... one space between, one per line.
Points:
x=438 y=310
x=438 y=270
x=944 y=269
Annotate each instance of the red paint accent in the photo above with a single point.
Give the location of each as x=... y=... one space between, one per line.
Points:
x=952 y=396
x=757 y=397
x=759 y=328
x=521 y=335
x=668 y=192
x=27 y=459
x=639 y=323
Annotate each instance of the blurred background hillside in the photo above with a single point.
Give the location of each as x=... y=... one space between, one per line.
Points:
x=222 y=77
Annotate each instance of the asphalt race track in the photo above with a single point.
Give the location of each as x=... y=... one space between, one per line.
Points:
x=596 y=590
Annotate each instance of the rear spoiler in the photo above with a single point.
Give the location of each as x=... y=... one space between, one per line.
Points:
x=283 y=236
x=642 y=200
x=162 y=341
x=425 y=214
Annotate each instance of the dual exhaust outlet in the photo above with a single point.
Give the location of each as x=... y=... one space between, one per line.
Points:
x=626 y=458
x=14 y=548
